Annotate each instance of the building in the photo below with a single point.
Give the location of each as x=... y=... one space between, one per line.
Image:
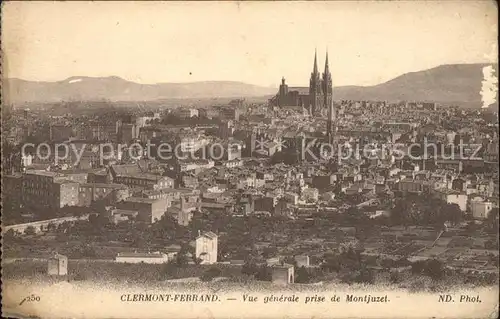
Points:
x=137 y=258
x=453 y=197
x=60 y=132
x=190 y=143
x=102 y=132
x=145 y=181
x=206 y=247
x=184 y=209
x=291 y=96
x=316 y=98
x=12 y=190
x=64 y=193
x=128 y=132
x=57 y=265
x=194 y=165
x=480 y=209
x=283 y=274
x=109 y=193
x=310 y=195
x=323 y=181
x=226 y=130
x=42 y=189
x=187 y=112
x=150 y=210
x=412 y=186
x=184 y=217
x=229 y=113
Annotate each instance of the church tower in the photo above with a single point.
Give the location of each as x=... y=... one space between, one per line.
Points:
x=328 y=100
x=327 y=84
x=315 y=88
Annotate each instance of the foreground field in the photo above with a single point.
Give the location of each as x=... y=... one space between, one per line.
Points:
x=228 y=277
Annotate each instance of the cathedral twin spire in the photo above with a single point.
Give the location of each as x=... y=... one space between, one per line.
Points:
x=321 y=83
x=315 y=67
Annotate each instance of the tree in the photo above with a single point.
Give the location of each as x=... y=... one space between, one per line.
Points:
x=181 y=257
x=210 y=274
x=418 y=267
x=491 y=221
x=30 y=230
x=331 y=263
x=9 y=235
x=198 y=260
x=302 y=275
x=395 y=277
x=51 y=227
x=169 y=269
x=264 y=273
x=451 y=213
x=434 y=269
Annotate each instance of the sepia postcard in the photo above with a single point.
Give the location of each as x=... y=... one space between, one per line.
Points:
x=241 y=159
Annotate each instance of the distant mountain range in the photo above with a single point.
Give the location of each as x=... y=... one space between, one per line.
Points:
x=458 y=84
x=82 y=88
x=455 y=83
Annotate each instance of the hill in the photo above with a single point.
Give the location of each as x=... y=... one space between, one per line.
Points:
x=117 y=89
x=458 y=84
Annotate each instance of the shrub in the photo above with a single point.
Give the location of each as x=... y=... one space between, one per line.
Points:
x=395 y=277
x=210 y=274
x=80 y=276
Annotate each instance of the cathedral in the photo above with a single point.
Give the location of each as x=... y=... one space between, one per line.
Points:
x=315 y=98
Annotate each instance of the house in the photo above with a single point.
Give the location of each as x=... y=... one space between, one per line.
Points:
x=48 y=190
x=412 y=186
x=224 y=208
x=136 y=258
x=149 y=210
x=479 y=208
x=57 y=265
x=206 y=247
x=145 y=181
x=283 y=274
x=110 y=193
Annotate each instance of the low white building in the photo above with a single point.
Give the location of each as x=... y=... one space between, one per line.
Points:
x=137 y=258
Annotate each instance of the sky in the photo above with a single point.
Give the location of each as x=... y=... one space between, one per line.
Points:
x=253 y=42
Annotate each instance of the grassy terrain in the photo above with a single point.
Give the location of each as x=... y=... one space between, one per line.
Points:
x=154 y=275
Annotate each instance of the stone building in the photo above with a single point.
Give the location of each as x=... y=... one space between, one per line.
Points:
x=57 y=265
